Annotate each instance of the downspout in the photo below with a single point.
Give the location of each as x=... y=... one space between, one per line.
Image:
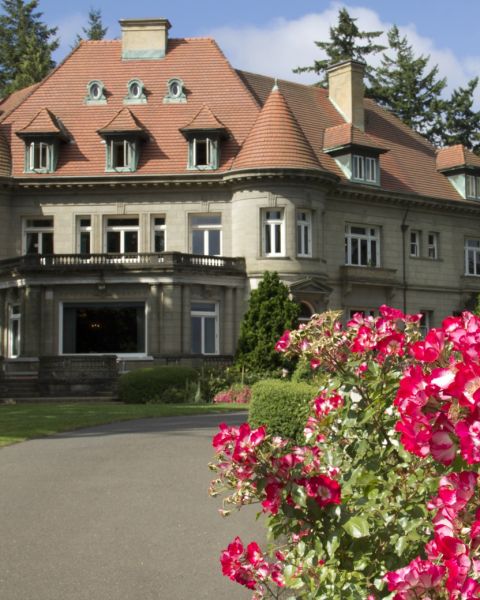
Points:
x=404 y=228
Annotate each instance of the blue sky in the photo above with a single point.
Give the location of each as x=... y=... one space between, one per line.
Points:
x=273 y=36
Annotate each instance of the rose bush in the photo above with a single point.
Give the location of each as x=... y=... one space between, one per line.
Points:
x=382 y=499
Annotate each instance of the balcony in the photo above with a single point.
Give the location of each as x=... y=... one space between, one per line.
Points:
x=157 y=262
x=368 y=276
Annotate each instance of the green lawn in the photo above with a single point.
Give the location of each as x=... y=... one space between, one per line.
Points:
x=22 y=422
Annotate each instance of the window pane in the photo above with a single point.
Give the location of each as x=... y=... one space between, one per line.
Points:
x=159 y=241
x=268 y=241
x=358 y=230
x=214 y=242
x=273 y=215
x=131 y=241
x=196 y=335
x=122 y=222
x=199 y=220
x=32 y=243
x=363 y=252
x=197 y=242
x=209 y=324
x=354 y=250
x=47 y=243
x=85 y=242
x=15 y=333
x=201 y=153
x=113 y=241
x=373 y=251
x=206 y=307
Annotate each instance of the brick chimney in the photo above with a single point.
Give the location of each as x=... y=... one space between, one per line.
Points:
x=346 y=91
x=144 y=39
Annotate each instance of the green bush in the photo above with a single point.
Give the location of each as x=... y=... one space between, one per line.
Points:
x=282 y=406
x=165 y=385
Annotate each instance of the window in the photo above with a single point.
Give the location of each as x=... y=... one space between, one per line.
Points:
x=175 y=92
x=472 y=187
x=95 y=92
x=432 y=245
x=415 y=243
x=304 y=233
x=39 y=157
x=204 y=324
x=14 y=330
x=472 y=257
x=84 y=231
x=365 y=168
x=159 y=234
x=426 y=321
x=135 y=92
x=38 y=236
x=273 y=233
x=121 y=155
x=362 y=246
x=122 y=235
x=203 y=153
x=206 y=231
x=306 y=312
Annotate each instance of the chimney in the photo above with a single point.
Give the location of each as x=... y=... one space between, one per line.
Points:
x=346 y=91
x=144 y=39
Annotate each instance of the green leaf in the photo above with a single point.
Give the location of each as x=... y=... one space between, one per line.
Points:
x=357 y=527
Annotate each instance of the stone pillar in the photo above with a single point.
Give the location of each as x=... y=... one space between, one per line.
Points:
x=48 y=343
x=227 y=333
x=186 y=319
x=153 y=321
x=96 y=239
x=3 y=323
x=31 y=303
x=171 y=325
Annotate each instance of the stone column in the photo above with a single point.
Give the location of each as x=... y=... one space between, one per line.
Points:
x=153 y=320
x=227 y=333
x=48 y=343
x=31 y=313
x=171 y=325
x=186 y=319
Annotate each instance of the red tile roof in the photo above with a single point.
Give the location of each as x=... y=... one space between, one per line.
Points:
x=276 y=140
x=348 y=135
x=456 y=156
x=204 y=120
x=123 y=122
x=43 y=122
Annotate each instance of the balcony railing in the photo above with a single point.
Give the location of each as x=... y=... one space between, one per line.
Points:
x=163 y=261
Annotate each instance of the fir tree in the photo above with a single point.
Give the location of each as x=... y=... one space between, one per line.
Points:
x=269 y=314
x=345 y=44
x=404 y=85
x=460 y=124
x=26 y=45
x=95 y=29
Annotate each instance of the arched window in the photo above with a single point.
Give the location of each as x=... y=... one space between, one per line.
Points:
x=306 y=312
x=95 y=92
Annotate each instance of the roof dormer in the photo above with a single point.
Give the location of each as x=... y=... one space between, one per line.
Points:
x=203 y=134
x=122 y=136
x=462 y=168
x=355 y=152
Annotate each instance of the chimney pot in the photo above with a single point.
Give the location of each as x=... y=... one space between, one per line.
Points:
x=144 y=39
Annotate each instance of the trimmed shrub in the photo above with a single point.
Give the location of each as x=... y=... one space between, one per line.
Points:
x=237 y=393
x=282 y=406
x=165 y=385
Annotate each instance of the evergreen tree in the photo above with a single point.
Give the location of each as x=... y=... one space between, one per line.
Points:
x=345 y=44
x=95 y=29
x=460 y=124
x=26 y=45
x=404 y=85
x=269 y=314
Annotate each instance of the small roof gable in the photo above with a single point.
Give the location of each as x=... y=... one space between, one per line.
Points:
x=456 y=157
x=276 y=140
x=43 y=123
x=347 y=135
x=204 y=120
x=123 y=122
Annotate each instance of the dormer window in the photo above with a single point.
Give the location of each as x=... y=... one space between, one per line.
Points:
x=135 y=92
x=121 y=155
x=472 y=187
x=39 y=157
x=462 y=168
x=365 y=169
x=95 y=93
x=203 y=153
x=175 y=92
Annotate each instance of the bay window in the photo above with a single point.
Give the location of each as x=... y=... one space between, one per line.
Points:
x=362 y=246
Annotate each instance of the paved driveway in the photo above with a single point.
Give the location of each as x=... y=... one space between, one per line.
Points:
x=117 y=512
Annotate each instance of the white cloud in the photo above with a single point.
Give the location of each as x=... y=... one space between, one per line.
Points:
x=282 y=45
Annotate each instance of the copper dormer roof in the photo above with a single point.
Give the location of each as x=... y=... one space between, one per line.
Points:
x=276 y=139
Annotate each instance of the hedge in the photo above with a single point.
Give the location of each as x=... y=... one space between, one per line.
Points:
x=282 y=406
x=165 y=385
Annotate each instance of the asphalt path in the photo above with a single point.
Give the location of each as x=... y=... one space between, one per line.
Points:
x=117 y=512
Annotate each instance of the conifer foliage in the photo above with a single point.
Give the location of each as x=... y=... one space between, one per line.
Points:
x=26 y=45
x=345 y=44
x=404 y=84
x=269 y=314
x=95 y=29
x=460 y=123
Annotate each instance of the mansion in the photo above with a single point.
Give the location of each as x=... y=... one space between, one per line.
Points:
x=146 y=185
